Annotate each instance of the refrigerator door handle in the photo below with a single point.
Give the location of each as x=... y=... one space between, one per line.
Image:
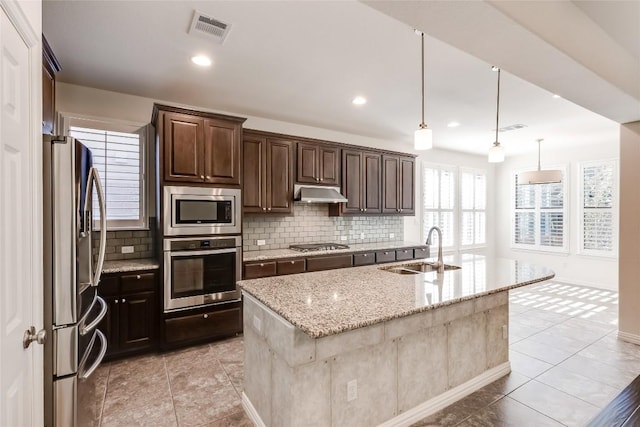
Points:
x=83 y=374
x=84 y=329
x=95 y=178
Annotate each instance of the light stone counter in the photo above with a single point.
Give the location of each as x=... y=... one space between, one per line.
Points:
x=366 y=347
x=358 y=247
x=334 y=301
x=127 y=265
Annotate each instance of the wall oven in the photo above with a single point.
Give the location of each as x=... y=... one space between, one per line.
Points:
x=190 y=211
x=201 y=270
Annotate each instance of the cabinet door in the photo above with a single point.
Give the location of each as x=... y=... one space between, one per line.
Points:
x=307 y=163
x=352 y=181
x=279 y=192
x=329 y=167
x=137 y=321
x=182 y=140
x=407 y=185
x=371 y=182
x=221 y=152
x=390 y=184
x=48 y=100
x=254 y=173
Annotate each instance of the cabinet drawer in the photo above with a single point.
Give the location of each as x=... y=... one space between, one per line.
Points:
x=215 y=323
x=364 y=259
x=291 y=266
x=404 y=254
x=108 y=286
x=421 y=253
x=385 y=256
x=329 y=262
x=136 y=282
x=256 y=270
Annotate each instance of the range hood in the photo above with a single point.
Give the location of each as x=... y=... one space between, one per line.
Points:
x=317 y=194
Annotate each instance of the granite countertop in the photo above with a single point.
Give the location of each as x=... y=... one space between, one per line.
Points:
x=330 y=302
x=357 y=247
x=125 y=265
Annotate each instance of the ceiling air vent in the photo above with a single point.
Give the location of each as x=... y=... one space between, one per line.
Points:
x=512 y=127
x=209 y=27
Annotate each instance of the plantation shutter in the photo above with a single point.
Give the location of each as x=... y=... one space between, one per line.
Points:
x=597 y=203
x=439 y=202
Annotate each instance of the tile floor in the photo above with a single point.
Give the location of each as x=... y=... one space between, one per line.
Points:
x=566 y=365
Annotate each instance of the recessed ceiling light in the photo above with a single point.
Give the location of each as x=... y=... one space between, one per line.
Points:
x=359 y=100
x=453 y=124
x=201 y=60
x=556 y=96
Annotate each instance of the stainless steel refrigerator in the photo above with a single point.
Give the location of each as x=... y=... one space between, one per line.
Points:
x=72 y=308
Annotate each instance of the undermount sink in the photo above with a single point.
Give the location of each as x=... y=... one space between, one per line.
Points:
x=416 y=268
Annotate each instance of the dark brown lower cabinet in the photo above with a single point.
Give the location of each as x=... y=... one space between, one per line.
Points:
x=201 y=325
x=133 y=312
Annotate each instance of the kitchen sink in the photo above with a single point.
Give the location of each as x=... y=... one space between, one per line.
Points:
x=417 y=267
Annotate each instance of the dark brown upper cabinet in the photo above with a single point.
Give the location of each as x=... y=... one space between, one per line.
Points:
x=268 y=176
x=318 y=164
x=398 y=179
x=361 y=182
x=198 y=147
x=50 y=66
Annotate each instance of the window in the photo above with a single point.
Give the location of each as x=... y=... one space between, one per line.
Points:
x=439 y=202
x=539 y=215
x=473 y=195
x=118 y=155
x=460 y=214
x=597 y=213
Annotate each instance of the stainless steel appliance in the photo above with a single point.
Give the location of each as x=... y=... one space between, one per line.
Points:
x=190 y=211
x=311 y=247
x=201 y=270
x=74 y=347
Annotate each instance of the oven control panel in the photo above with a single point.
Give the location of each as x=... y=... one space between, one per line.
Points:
x=202 y=244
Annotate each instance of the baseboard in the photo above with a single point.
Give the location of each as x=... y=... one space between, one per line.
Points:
x=447 y=398
x=632 y=338
x=251 y=411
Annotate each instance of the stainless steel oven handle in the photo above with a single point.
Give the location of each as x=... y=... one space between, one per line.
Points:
x=87 y=373
x=103 y=312
x=205 y=252
x=103 y=227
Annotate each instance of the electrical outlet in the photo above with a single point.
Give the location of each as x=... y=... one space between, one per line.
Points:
x=261 y=242
x=127 y=249
x=362 y=236
x=343 y=238
x=352 y=390
x=505 y=332
x=392 y=235
x=257 y=323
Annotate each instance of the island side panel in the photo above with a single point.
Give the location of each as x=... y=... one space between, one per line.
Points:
x=397 y=365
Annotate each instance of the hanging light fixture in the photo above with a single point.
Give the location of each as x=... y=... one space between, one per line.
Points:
x=540 y=176
x=423 y=137
x=496 y=152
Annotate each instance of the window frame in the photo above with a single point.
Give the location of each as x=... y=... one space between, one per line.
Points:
x=68 y=120
x=614 y=209
x=566 y=203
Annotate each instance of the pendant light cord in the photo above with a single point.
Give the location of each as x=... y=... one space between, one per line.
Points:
x=497 y=108
x=422 y=125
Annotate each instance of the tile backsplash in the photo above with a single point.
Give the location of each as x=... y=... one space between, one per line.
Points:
x=143 y=242
x=310 y=223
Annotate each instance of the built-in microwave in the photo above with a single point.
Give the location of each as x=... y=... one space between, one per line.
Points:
x=191 y=211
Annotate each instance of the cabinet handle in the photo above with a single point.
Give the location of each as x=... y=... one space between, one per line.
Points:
x=124 y=300
x=201 y=176
x=321 y=179
x=208 y=177
x=404 y=252
x=261 y=265
x=268 y=209
x=364 y=210
x=293 y=262
x=365 y=255
x=206 y=316
x=116 y=301
x=386 y=253
x=138 y=277
x=400 y=210
x=264 y=209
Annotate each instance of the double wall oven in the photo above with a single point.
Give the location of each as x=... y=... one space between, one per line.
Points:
x=202 y=246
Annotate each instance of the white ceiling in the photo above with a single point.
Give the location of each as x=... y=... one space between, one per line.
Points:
x=303 y=61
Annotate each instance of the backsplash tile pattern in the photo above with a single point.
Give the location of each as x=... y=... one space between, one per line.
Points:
x=310 y=223
x=143 y=242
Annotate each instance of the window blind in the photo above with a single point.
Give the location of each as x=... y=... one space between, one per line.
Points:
x=117 y=157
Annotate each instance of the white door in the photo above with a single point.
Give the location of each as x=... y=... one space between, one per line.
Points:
x=21 y=369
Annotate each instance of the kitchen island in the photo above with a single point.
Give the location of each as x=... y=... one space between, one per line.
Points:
x=377 y=344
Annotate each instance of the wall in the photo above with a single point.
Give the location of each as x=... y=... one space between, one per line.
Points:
x=413 y=225
x=599 y=272
x=629 y=315
x=311 y=223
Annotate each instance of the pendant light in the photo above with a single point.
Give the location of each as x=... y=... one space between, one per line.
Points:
x=423 y=137
x=540 y=176
x=496 y=152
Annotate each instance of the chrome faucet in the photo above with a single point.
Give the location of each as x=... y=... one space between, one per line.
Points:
x=440 y=263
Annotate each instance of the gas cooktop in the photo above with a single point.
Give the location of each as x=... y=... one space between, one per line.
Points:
x=311 y=247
